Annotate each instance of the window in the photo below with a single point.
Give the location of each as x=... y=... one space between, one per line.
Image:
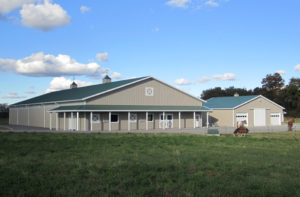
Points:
x=149 y=91
x=96 y=118
x=114 y=118
x=150 y=117
x=133 y=117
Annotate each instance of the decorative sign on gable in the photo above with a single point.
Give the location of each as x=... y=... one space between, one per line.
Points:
x=149 y=91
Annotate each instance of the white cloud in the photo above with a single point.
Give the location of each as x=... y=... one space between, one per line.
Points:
x=297 y=67
x=7 y=6
x=212 y=3
x=59 y=83
x=13 y=95
x=204 y=79
x=102 y=57
x=44 y=16
x=182 y=81
x=282 y=72
x=84 y=9
x=178 y=3
x=225 y=76
x=41 y=65
x=116 y=75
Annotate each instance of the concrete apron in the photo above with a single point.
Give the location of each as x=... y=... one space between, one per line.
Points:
x=203 y=131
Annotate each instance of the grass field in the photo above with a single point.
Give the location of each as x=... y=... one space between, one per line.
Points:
x=53 y=164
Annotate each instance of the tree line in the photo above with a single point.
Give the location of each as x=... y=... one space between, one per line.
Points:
x=273 y=87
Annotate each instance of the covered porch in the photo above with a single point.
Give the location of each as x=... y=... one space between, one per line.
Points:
x=128 y=118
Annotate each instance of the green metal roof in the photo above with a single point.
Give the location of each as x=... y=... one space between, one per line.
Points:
x=228 y=102
x=129 y=108
x=77 y=93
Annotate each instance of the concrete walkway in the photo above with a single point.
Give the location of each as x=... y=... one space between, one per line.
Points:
x=201 y=131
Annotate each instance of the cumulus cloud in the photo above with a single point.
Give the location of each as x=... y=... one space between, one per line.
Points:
x=116 y=75
x=225 y=76
x=13 y=95
x=84 y=9
x=178 y=3
x=297 y=67
x=182 y=81
x=204 y=79
x=282 y=72
x=41 y=65
x=7 y=6
x=102 y=57
x=59 y=83
x=44 y=16
x=212 y=3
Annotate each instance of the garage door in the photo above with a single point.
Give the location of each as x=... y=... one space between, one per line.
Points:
x=275 y=119
x=241 y=117
x=259 y=117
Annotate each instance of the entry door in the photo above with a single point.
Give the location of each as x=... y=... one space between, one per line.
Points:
x=198 y=120
x=275 y=119
x=168 y=121
x=72 y=122
x=259 y=117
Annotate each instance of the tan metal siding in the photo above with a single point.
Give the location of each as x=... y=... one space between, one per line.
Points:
x=221 y=117
x=135 y=95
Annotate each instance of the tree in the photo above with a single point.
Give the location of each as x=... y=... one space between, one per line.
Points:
x=4 y=107
x=273 y=85
x=217 y=92
x=292 y=97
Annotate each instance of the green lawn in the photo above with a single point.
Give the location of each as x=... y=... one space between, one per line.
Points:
x=53 y=164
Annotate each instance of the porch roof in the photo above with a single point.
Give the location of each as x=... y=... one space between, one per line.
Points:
x=127 y=108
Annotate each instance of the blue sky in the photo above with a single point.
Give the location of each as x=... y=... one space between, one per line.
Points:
x=191 y=44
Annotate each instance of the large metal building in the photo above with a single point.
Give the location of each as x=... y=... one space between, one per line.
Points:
x=135 y=104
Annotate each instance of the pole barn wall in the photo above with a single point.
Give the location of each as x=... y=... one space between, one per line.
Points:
x=13 y=116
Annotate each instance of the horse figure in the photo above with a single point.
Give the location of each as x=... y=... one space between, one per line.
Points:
x=290 y=124
x=241 y=129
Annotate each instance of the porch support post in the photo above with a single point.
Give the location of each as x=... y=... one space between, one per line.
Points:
x=164 y=121
x=91 y=121
x=207 y=119
x=194 y=120
x=72 y=121
x=84 y=122
x=179 y=120
x=77 y=121
x=64 y=121
x=147 y=121
x=109 y=121
x=56 y=121
x=44 y=117
x=50 y=122
x=128 y=121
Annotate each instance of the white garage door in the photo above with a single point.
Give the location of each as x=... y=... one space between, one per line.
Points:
x=275 y=119
x=241 y=117
x=259 y=117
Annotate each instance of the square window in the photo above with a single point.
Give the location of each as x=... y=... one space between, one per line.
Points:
x=96 y=118
x=133 y=117
x=114 y=118
x=150 y=117
x=149 y=91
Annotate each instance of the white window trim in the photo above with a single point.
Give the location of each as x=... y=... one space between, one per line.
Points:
x=136 y=117
x=152 y=117
x=118 y=118
x=146 y=93
x=97 y=121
